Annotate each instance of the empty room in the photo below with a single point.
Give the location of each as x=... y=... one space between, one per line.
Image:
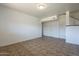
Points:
x=39 y=29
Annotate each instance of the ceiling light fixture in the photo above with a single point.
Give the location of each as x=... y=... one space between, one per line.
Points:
x=41 y=6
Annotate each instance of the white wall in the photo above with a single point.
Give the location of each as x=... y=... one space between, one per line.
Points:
x=51 y=29
x=55 y=28
x=16 y=26
x=72 y=34
x=62 y=26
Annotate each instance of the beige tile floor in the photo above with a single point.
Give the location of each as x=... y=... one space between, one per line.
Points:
x=46 y=46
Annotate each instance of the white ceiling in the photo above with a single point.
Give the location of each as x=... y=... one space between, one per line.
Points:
x=52 y=8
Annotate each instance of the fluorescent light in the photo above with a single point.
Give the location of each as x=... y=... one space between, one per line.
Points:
x=41 y=6
x=51 y=18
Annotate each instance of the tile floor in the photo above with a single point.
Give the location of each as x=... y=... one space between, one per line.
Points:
x=46 y=46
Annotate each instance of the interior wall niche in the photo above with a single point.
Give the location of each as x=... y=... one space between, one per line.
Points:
x=72 y=30
x=74 y=18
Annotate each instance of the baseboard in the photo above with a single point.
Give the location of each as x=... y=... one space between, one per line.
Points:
x=55 y=37
x=19 y=41
x=72 y=43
